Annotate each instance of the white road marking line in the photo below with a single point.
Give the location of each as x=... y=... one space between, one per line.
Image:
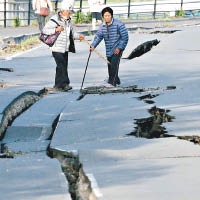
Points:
x=94 y=185
x=20 y=53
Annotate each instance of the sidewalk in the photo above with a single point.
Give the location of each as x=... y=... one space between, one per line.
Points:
x=28 y=30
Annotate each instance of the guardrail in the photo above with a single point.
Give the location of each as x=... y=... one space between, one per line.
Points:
x=22 y=10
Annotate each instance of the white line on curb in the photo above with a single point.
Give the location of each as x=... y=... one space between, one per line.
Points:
x=94 y=185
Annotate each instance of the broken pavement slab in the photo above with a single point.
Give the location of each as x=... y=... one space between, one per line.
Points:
x=44 y=112
x=26 y=139
x=147 y=179
x=93 y=119
x=33 y=177
x=138 y=167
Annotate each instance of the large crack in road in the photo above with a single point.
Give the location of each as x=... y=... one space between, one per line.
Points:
x=79 y=184
x=151 y=127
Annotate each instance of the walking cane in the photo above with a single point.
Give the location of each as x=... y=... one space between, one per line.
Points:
x=85 y=70
x=97 y=52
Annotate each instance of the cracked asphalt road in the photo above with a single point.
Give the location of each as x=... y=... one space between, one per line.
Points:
x=95 y=127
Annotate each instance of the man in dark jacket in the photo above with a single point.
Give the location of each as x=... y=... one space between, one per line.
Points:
x=115 y=36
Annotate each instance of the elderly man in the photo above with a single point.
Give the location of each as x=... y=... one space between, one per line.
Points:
x=115 y=36
x=61 y=22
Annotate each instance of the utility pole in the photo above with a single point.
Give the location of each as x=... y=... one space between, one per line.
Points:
x=29 y=12
x=81 y=2
x=181 y=4
x=129 y=8
x=56 y=6
x=4 y=13
x=154 y=13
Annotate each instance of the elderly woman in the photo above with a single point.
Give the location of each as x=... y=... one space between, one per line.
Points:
x=63 y=44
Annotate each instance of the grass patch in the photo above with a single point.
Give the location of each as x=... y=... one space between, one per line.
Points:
x=23 y=46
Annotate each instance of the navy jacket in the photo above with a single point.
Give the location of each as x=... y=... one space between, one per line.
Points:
x=115 y=36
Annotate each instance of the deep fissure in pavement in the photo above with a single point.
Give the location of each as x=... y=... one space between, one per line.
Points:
x=146 y=98
x=18 y=106
x=194 y=138
x=6 y=69
x=15 y=108
x=4 y=152
x=151 y=127
x=164 y=32
x=103 y=90
x=79 y=184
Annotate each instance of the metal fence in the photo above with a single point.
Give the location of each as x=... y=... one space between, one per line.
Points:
x=11 y=11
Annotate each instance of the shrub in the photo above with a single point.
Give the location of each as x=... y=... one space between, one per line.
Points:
x=89 y=17
x=16 y=22
x=79 y=17
x=179 y=13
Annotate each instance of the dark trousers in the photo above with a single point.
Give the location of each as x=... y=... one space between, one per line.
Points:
x=96 y=15
x=61 y=78
x=41 y=22
x=113 y=68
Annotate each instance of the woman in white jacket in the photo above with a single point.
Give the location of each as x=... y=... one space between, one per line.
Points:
x=64 y=43
x=37 y=4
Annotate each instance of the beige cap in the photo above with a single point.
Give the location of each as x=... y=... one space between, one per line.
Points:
x=67 y=5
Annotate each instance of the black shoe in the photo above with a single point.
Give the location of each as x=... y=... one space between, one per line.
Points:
x=67 y=87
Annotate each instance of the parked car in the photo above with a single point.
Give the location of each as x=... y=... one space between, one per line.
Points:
x=196 y=13
x=188 y=13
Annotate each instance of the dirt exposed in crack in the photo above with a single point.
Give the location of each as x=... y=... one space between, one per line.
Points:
x=151 y=127
x=194 y=138
x=18 y=106
x=54 y=125
x=4 y=85
x=4 y=153
x=15 y=108
x=103 y=90
x=164 y=32
x=79 y=184
x=7 y=69
x=146 y=98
